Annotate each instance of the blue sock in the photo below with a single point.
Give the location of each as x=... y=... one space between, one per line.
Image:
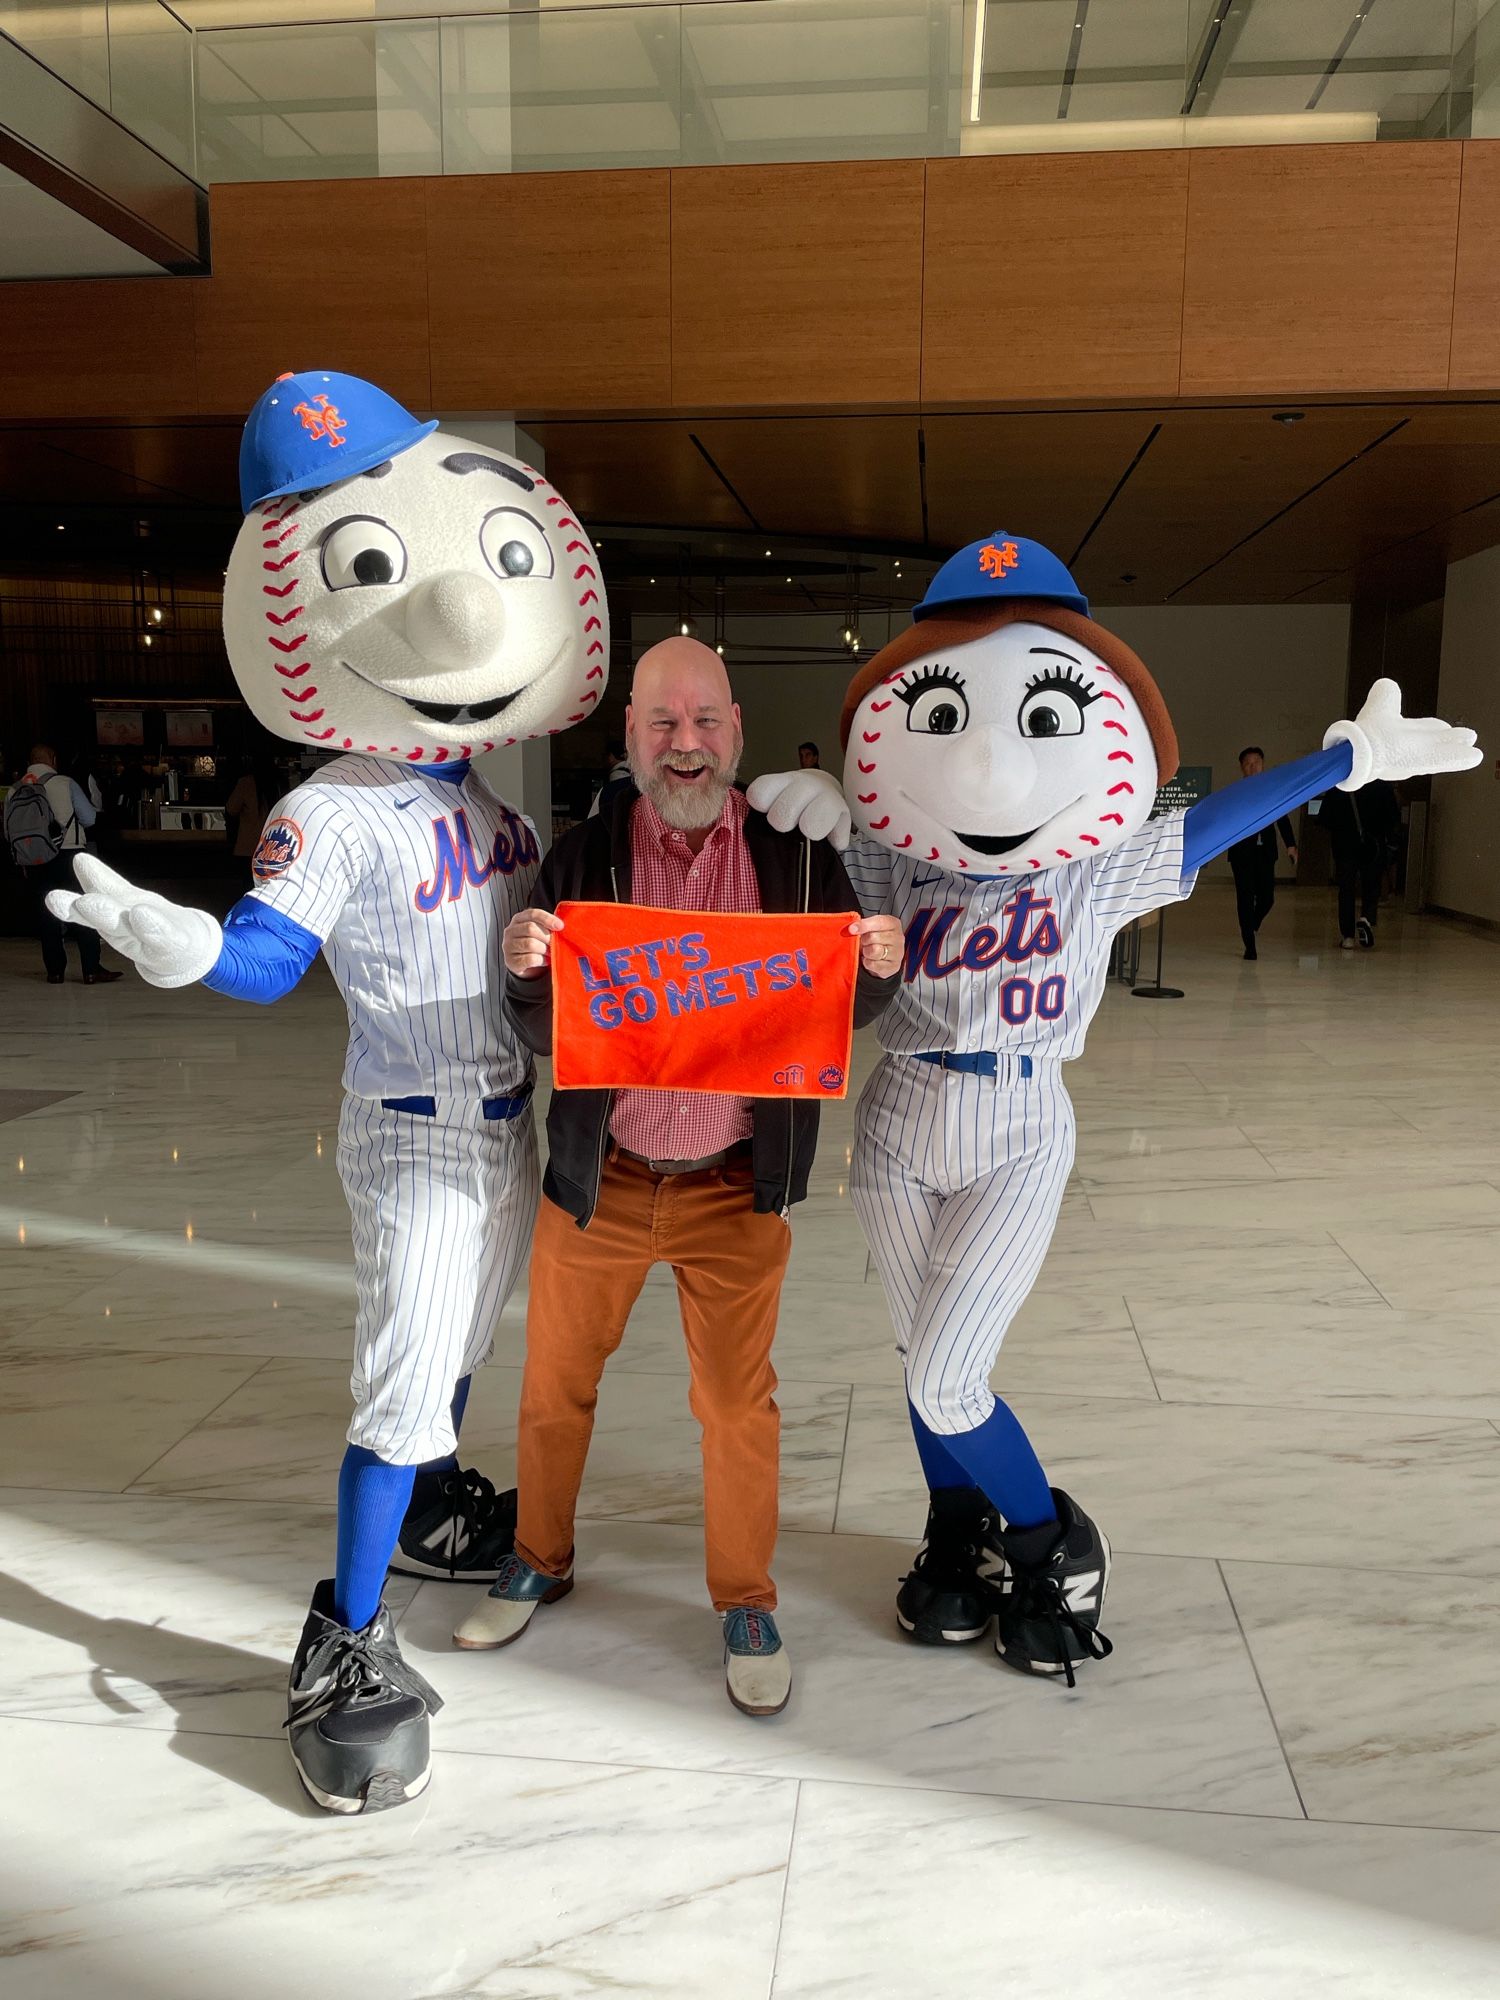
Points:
x=460 y=1403
x=372 y=1502
x=939 y=1467
x=999 y=1460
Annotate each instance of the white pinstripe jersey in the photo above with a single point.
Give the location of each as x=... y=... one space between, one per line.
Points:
x=408 y=881
x=1016 y=963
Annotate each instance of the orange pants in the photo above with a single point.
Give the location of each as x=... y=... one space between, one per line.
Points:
x=729 y=1263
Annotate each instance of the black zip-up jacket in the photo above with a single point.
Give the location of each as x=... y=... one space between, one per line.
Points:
x=591 y=863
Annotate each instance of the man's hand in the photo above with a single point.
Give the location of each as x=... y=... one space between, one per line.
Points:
x=1387 y=744
x=527 y=943
x=169 y=946
x=881 y=945
x=807 y=802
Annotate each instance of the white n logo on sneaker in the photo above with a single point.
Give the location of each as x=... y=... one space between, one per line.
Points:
x=451 y=1539
x=1084 y=1591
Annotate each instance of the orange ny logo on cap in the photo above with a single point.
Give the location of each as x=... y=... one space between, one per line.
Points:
x=321 y=420
x=995 y=561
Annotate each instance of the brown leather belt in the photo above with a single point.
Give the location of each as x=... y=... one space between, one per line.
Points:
x=741 y=1151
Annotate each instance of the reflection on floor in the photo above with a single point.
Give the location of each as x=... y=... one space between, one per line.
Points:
x=1262 y=1352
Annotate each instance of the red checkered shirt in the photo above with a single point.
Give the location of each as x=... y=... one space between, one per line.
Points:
x=666 y=874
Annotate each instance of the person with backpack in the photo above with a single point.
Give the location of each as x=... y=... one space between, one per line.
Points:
x=47 y=817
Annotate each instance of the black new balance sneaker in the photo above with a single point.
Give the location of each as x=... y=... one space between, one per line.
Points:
x=457 y=1528
x=357 y=1713
x=949 y=1595
x=1047 y=1619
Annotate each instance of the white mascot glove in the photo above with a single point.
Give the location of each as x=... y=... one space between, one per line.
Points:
x=808 y=802
x=169 y=946
x=1388 y=744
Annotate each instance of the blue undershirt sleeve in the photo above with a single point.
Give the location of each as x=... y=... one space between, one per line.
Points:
x=1214 y=824
x=264 y=954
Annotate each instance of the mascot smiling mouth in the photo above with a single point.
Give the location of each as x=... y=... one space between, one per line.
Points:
x=443 y=711
x=1001 y=843
x=984 y=843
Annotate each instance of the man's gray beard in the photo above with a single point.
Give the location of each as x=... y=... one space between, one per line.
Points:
x=686 y=810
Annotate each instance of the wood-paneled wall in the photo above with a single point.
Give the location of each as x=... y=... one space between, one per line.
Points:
x=1300 y=271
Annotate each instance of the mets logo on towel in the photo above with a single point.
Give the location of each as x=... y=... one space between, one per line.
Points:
x=280 y=844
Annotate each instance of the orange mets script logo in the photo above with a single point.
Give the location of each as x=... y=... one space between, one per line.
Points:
x=995 y=561
x=320 y=418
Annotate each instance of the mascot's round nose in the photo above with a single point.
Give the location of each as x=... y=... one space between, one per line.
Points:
x=456 y=620
x=987 y=767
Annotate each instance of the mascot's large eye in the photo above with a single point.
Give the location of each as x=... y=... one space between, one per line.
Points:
x=360 y=551
x=935 y=702
x=1054 y=705
x=514 y=545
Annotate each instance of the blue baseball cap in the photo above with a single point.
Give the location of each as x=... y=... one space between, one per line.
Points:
x=999 y=567
x=312 y=428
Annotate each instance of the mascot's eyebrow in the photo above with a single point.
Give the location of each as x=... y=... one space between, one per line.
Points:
x=1057 y=654
x=474 y=461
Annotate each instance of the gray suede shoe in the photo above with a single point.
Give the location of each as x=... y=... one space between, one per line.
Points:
x=500 y=1618
x=757 y=1667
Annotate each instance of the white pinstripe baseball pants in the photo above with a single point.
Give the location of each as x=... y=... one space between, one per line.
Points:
x=957 y=1182
x=442 y=1210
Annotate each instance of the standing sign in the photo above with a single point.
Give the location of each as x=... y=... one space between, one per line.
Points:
x=749 y=1006
x=1192 y=782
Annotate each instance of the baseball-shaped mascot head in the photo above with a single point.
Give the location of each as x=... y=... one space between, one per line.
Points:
x=1004 y=731
x=399 y=592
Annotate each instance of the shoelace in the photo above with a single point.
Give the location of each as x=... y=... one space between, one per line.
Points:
x=1040 y=1594
x=749 y=1631
x=510 y=1566
x=357 y=1673
x=480 y=1508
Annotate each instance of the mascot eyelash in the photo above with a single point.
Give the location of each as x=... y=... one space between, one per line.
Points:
x=916 y=684
x=1082 y=691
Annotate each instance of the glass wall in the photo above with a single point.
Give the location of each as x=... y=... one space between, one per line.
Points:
x=133 y=58
x=569 y=85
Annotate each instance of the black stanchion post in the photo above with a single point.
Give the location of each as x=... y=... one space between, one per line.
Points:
x=1158 y=991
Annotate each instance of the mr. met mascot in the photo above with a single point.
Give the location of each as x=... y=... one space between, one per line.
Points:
x=410 y=599
x=1003 y=757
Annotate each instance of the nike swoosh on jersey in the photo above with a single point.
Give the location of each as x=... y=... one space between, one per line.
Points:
x=402 y=804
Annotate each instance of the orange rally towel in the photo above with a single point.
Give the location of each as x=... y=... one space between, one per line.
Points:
x=758 y=1006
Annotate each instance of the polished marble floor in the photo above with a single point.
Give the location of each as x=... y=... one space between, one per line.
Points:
x=1263 y=1351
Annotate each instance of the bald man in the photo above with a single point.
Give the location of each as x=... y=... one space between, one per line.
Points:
x=698 y=1180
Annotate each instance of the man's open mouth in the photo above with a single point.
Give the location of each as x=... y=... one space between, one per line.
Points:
x=995 y=843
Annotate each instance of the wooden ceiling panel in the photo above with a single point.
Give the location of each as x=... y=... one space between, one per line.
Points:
x=1209 y=479
x=1438 y=461
x=649 y=473
x=1221 y=506
x=827 y=478
x=44 y=467
x=1047 y=476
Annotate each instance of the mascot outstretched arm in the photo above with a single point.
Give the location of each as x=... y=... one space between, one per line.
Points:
x=1003 y=756
x=410 y=600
